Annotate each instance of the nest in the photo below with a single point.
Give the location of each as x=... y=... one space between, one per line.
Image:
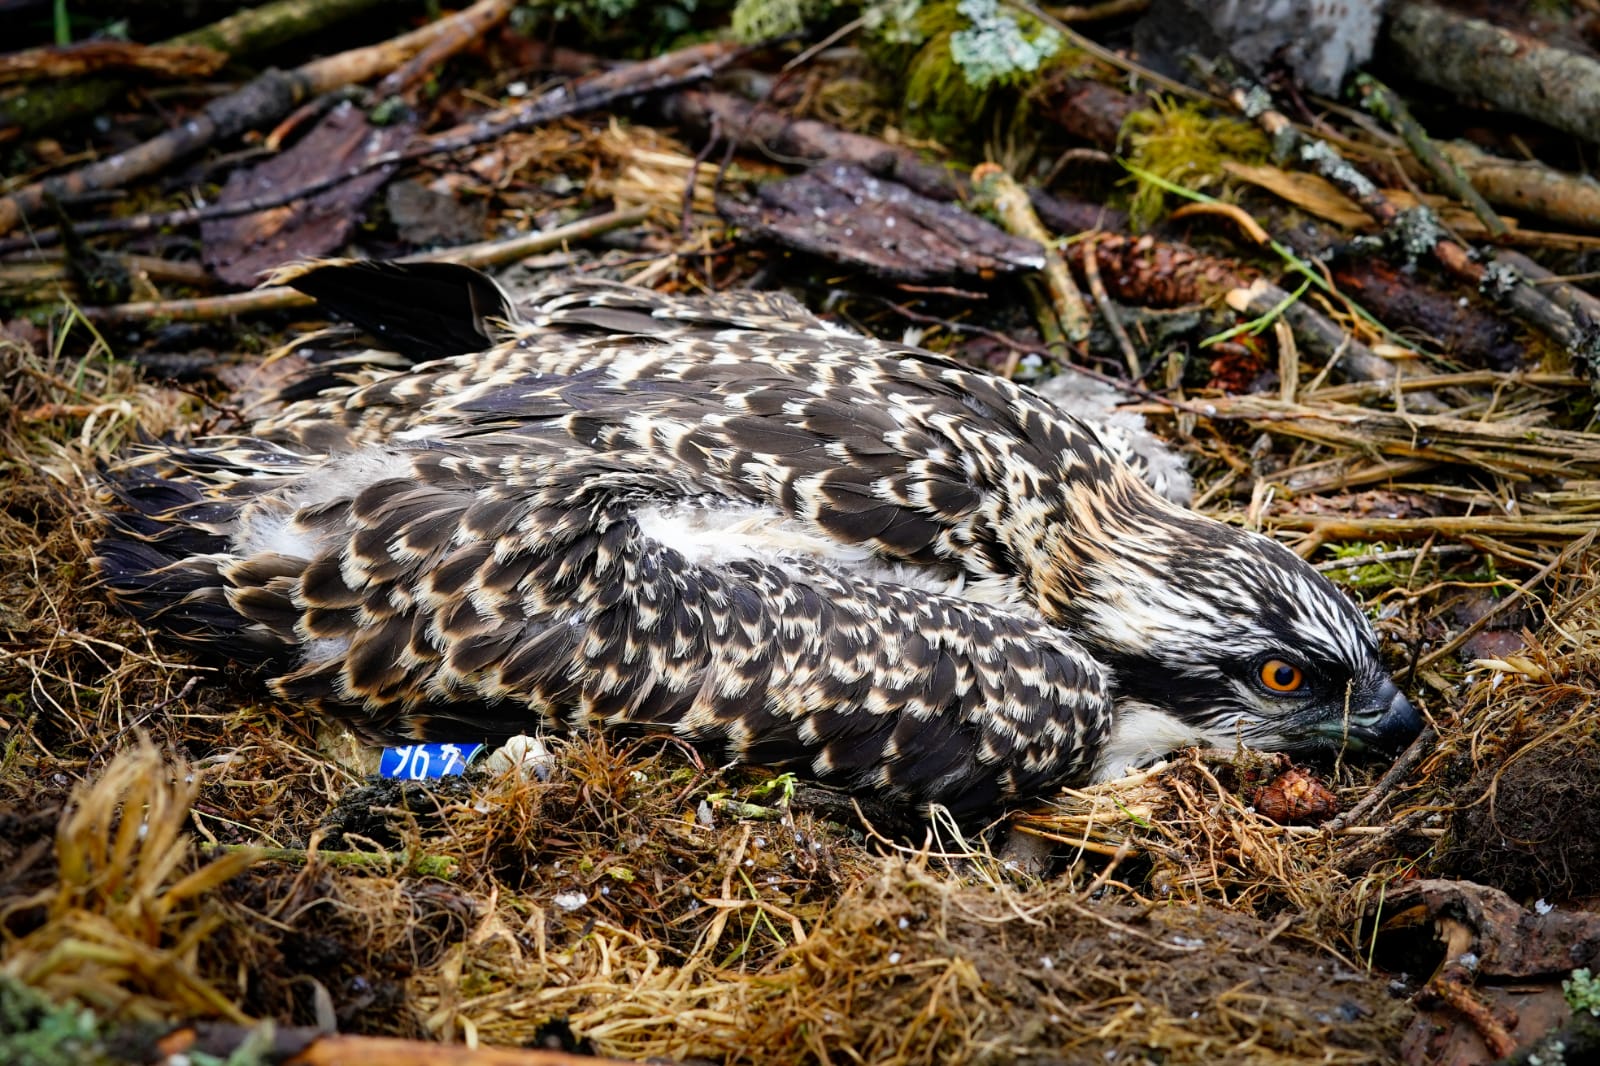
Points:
x=172 y=850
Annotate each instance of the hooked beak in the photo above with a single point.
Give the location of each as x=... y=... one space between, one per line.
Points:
x=1387 y=726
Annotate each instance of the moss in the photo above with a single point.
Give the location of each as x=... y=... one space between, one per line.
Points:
x=36 y=1032
x=762 y=20
x=1182 y=144
x=974 y=57
x=1582 y=991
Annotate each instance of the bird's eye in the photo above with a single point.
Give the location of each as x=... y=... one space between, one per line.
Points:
x=1280 y=676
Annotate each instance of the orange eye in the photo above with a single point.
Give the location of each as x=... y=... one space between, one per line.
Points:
x=1280 y=676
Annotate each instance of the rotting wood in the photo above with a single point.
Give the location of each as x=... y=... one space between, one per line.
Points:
x=1065 y=215
x=1091 y=109
x=1509 y=941
x=844 y=214
x=668 y=71
x=1459 y=328
x=244 y=248
x=1322 y=337
x=1583 y=306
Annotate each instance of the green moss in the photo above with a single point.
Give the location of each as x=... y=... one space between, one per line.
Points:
x=974 y=56
x=1582 y=991
x=36 y=1032
x=762 y=20
x=1371 y=575
x=1182 y=144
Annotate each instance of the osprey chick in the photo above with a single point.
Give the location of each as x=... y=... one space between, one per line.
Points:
x=725 y=518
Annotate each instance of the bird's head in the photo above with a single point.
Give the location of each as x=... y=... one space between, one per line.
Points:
x=1220 y=636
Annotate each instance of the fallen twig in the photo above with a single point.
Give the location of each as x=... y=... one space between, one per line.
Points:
x=1420 y=749
x=1108 y=311
x=268 y=97
x=1381 y=101
x=1477 y=60
x=210 y=1042
x=1011 y=204
x=768 y=130
x=244 y=33
x=1416 y=227
x=673 y=69
x=88 y=57
x=1507 y=601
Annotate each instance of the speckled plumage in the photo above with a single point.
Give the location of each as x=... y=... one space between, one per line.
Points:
x=725 y=518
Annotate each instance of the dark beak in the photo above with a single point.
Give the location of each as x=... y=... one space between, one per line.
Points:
x=1390 y=726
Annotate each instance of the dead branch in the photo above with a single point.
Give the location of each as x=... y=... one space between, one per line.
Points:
x=268 y=98
x=1416 y=228
x=244 y=33
x=768 y=130
x=694 y=63
x=1463 y=329
x=1528 y=186
x=1108 y=311
x=1010 y=202
x=311 y=1047
x=1322 y=337
x=1091 y=109
x=92 y=57
x=1476 y=60
x=1382 y=101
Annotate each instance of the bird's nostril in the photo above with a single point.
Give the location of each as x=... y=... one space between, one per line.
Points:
x=1399 y=725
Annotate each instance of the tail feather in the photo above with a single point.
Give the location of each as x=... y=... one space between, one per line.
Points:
x=162 y=559
x=422 y=310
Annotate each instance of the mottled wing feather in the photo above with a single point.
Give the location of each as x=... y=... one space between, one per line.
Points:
x=925 y=461
x=572 y=324
x=546 y=605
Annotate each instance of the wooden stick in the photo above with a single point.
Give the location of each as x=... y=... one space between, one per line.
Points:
x=269 y=97
x=1416 y=226
x=1499 y=608
x=1016 y=215
x=241 y=34
x=668 y=71
x=1382 y=101
x=1108 y=311
x=307 y=1047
